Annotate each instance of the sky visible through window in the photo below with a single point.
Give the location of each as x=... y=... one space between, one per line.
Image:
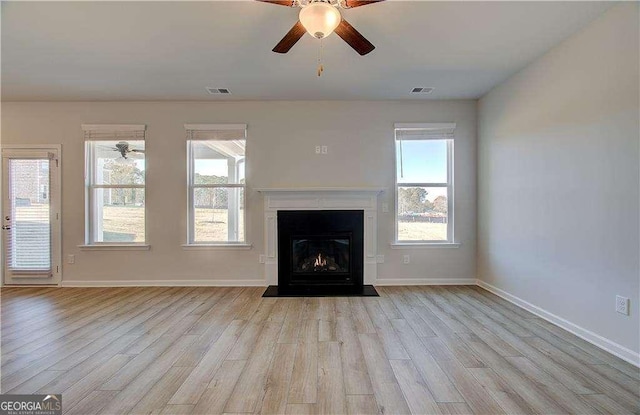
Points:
x=423 y=161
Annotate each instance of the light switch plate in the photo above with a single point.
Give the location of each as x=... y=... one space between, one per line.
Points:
x=262 y=259
x=385 y=207
x=622 y=305
x=317 y=149
x=325 y=149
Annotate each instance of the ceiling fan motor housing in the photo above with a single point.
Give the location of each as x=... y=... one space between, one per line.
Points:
x=320 y=19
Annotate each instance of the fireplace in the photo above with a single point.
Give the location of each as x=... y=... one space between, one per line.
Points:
x=320 y=251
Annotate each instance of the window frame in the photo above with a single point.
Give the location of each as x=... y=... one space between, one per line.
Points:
x=191 y=187
x=449 y=184
x=118 y=132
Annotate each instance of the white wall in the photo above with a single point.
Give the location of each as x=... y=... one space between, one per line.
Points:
x=558 y=193
x=280 y=152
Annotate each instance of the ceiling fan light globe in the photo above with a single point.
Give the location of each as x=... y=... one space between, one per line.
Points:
x=320 y=19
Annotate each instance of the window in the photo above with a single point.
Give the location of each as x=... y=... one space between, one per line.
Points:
x=115 y=184
x=216 y=164
x=424 y=183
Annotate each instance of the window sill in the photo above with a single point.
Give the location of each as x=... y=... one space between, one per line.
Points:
x=403 y=245
x=115 y=247
x=213 y=247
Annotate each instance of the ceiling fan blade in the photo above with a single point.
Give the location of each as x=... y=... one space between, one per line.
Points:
x=290 y=39
x=350 y=4
x=288 y=3
x=354 y=38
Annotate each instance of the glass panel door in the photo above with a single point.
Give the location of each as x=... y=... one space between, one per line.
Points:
x=28 y=216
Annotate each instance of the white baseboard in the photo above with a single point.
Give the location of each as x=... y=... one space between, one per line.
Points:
x=166 y=283
x=615 y=349
x=425 y=281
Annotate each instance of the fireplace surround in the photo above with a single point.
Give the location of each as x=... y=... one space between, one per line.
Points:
x=277 y=201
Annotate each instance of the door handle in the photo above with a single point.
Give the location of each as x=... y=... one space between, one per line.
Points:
x=6 y=228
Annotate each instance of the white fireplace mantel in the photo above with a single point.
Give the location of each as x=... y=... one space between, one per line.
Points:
x=320 y=198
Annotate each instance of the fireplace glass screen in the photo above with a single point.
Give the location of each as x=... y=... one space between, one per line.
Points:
x=320 y=255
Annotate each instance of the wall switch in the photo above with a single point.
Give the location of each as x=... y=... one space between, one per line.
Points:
x=385 y=207
x=262 y=259
x=325 y=149
x=406 y=259
x=622 y=305
x=71 y=259
x=380 y=259
x=317 y=149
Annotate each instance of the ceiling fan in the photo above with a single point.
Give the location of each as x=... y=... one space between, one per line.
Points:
x=320 y=18
x=124 y=149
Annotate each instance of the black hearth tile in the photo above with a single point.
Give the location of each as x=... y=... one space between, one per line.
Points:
x=366 y=291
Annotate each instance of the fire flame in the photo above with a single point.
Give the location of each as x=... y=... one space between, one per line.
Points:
x=320 y=261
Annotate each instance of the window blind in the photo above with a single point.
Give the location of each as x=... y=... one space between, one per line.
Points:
x=29 y=231
x=433 y=131
x=114 y=132
x=223 y=132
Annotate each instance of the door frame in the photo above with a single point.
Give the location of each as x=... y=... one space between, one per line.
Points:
x=56 y=206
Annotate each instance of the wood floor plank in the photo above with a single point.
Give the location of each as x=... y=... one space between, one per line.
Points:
x=301 y=409
x=387 y=335
x=522 y=384
x=215 y=396
x=91 y=382
x=594 y=351
x=415 y=392
x=292 y=322
x=455 y=408
x=362 y=405
x=501 y=391
x=360 y=316
x=439 y=384
x=138 y=387
x=158 y=396
x=384 y=383
x=605 y=404
x=200 y=376
x=557 y=391
x=356 y=376
x=278 y=380
x=331 y=392
x=91 y=404
x=249 y=390
x=304 y=381
x=145 y=359
x=428 y=349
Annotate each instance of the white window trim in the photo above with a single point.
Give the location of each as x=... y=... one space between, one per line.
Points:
x=451 y=241
x=191 y=244
x=90 y=244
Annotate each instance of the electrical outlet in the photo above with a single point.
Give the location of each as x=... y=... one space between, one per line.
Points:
x=325 y=149
x=380 y=259
x=317 y=149
x=71 y=259
x=622 y=305
x=406 y=259
x=385 y=207
x=262 y=259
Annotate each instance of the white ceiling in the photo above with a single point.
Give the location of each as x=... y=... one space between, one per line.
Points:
x=173 y=50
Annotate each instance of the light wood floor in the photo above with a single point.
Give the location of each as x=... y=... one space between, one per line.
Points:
x=449 y=350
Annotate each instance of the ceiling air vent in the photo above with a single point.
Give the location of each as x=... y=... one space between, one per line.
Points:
x=422 y=90
x=216 y=91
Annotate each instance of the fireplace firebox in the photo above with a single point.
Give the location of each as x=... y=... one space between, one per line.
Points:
x=320 y=252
